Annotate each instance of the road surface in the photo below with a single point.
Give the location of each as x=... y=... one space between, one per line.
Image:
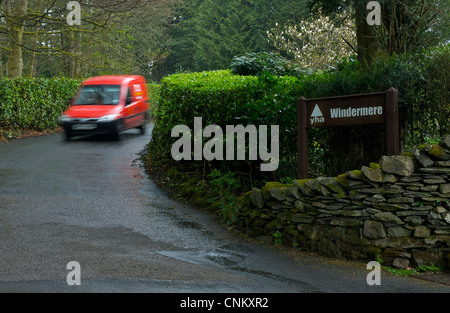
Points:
x=89 y=201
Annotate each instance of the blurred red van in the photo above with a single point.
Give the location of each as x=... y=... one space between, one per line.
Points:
x=107 y=105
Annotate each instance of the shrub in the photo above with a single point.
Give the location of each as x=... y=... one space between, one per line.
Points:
x=257 y=63
x=436 y=104
x=422 y=81
x=34 y=103
x=222 y=98
x=154 y=91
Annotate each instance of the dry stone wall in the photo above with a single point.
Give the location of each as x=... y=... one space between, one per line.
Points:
x=397 y=209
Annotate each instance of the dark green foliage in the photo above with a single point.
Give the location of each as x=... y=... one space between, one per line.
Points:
x=436 y=65
x=222 y=98
x=206 y=35
x=257 y=63
x=34 y=103
x=421 y=79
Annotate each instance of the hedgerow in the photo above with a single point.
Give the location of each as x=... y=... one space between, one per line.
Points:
x=223 y=98
x=34 y=102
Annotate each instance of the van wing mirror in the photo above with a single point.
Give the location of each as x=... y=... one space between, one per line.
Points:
x=128 y=101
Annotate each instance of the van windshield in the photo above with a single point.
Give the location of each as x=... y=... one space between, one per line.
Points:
x=99 y=95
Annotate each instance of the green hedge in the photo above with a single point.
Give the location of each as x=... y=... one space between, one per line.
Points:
x=34 y=103
x=222 y=98
x=422 y=81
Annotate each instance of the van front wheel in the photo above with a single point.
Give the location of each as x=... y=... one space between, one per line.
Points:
x=116 y=133
x=142 y=129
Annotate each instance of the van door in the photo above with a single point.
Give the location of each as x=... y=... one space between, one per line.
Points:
x=142 y=96
x=132 y=112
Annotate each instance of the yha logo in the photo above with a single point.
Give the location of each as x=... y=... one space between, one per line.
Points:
x=317 y=116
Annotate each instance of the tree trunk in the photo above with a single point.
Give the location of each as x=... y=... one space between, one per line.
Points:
x=75 y=53
x=33 y=65
x=367 y=44
x=353 y=146
x=15 y=12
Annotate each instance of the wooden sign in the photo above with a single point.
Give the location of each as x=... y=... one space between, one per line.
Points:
x=373 y=108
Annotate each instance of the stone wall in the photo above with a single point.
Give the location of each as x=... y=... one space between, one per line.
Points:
x=398 y=210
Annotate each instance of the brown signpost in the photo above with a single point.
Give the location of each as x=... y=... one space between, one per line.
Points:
x=372 y=108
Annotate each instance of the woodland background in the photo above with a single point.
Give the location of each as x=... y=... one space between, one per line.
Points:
x=156 y=38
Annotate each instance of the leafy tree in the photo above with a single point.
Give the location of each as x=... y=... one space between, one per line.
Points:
x=208 y=34
x=112 y=37
x=14 y=12
x=406 y=25
x=412 y=25
x=316 y=43
x=257 y=64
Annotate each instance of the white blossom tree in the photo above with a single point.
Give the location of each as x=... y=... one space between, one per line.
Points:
x=316 y=43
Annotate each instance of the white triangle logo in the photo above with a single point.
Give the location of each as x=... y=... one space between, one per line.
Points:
x=316 y=112
x=317 y=116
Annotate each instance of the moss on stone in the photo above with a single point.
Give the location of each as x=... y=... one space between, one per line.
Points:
x=302 y=182
x=374 y=165
x=273 y=225
x=243 y=202
x=294 y=233
x=356 y=174
x=409 y=155
x=436 y=150
x=343 y=180
x=423 y=147
x=433 y=149
x=270 y=185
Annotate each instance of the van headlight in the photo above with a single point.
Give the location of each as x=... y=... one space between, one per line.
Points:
x=65 y=119
x=107 y=118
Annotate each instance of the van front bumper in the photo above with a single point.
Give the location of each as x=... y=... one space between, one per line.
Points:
x=92 y=127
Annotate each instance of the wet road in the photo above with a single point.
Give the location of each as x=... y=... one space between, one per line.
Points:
x=89 y=201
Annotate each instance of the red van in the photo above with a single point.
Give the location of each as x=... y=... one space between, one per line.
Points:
x=107 y=105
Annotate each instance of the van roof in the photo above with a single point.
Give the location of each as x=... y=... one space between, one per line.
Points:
x=111 y=79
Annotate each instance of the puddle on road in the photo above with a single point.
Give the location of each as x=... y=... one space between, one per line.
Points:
x=234 y=259
x=224 y=257
x=189 y=225
x=220 y=256
x=170 y=213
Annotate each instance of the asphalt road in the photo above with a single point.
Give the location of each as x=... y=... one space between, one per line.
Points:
x=89 y=201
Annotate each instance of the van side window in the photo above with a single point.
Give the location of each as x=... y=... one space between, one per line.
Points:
x=129 y=100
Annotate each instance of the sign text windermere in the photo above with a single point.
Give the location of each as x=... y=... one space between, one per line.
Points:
x=373 y=108
x=348 y=110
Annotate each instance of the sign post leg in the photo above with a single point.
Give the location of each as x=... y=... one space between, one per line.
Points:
x=302 y=140
x=392 y=128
